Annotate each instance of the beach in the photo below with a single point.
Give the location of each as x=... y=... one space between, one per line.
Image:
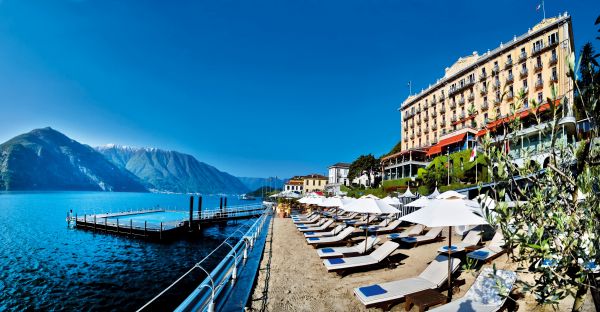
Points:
x=298 y=280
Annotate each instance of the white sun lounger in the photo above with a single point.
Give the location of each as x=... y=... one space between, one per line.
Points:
x=321 y=227
x=387 y=294
x=304 y=216
x=348 y=217
x=333 y=232
x=486 y=294
x=411 y=231
x=472 y=239
x=336 y=252
x=331 y=240
x=375 y=257
x=493 y=250
x=307 y=225
x=312 y=219
x=363 y=221
x=431 y=236
x=388 y=228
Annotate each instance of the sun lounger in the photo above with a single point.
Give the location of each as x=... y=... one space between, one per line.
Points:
x=388 y=228
x=431 y=236
x=377 y=256
x=485 y=295
x=385 y=295
x=366 y=221
x=333 y=232
x=347 y=217
x=305 y=216
x=412 y=231
x=322 y=227
x=340 y=238
x=359 y=249
x=492 y=251
x=471 y=239
x=308 y=225
x=313 y=219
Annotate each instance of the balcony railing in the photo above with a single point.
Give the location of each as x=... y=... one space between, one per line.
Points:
x=495 y=69
x=482 y=76
x=509 y=63
x=510 y=95
x=433 y=114
x=419 y=132
x=425 y=118
x=452 y=105
x=441 y=99
x=471 y=97
x=412 y=136
x=483 y=90
x=443 y=123
x=496 y=84
x=553 y=78
x=442 y=109
x=426 y=130
x=461 y=101
x=485 y=105
x=453 y=119
x=497 y=101
x=522 y=56
x=553 y=60
x=434 y=127
x=538 y=66
x=539 y=84
x=418 y=121
x=510 y=78
x=538 y=49
x=523 y=73
x=418 y=110
x=462 y=115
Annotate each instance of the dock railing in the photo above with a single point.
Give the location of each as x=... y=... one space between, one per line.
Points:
x=208 y=293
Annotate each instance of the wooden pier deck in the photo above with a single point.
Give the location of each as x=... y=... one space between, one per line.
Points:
x=135 y=224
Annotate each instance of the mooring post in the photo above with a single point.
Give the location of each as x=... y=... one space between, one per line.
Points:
x=145 y=225
x=94 y=223
x=130 y=226
x=199 y=210
x=160 y=232
x=221 y=203
x=105 y=224
x=225 y=202
x=191 y=213
x=117 y=225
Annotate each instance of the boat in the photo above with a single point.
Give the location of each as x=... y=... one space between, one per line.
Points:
x=247 y=197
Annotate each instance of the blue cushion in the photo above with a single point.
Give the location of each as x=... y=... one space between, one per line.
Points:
x=327 y=250
x=394 y=235
x=302 y=227
x=309 y=233
x=479 y=254
x=372 y=290
x=313 y=238
x=409 y=239
x=336 y=260
x=451 y=247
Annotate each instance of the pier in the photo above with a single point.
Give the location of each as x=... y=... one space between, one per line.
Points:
x=161 y=223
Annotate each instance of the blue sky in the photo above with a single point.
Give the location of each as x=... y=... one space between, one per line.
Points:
x=255 y=88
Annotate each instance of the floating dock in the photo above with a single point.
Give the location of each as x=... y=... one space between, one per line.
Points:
x=162 y=223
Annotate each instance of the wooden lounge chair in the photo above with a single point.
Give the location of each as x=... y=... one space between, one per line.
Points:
x=411 y=231
x=471 y=239
x=492 y=251
x=341 y=265
x=333 y=232
x=321 y=227
x=339 y=239
x=359 y=249
x=431 y=236
x=485 y=295
x=385 y=295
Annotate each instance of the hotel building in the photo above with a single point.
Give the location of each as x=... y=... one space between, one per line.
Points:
x=338 y=176
x=478 y=93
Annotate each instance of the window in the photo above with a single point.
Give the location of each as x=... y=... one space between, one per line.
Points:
x=539 y=61
x=510 y=73
x=523 y=50
x=485 y=99
x=539 y=77
x=553 y=54
x=498 y=112
x=524 y=84
x=485 y=117
x=483 y=71
x=526 y=103
x=538 y=45
x=509 y=58
x=540 y=97
x=497 y=94
x=523 y=67
x=553 y=38
x=554 y=74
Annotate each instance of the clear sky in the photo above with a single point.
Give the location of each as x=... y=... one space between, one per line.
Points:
x=255 y=88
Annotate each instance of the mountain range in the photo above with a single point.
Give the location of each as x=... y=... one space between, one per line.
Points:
x=45 y=159
x=256 y=183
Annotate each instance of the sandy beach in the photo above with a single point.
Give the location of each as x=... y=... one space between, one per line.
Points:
x=298 y=281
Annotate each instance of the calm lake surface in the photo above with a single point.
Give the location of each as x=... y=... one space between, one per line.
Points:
x=44 y=265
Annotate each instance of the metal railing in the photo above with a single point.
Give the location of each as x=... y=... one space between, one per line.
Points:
x=207 y=294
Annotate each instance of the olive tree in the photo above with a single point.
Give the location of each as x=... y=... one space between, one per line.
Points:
x=553 y=230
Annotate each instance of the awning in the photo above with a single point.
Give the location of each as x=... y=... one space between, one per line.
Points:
x=436 y=149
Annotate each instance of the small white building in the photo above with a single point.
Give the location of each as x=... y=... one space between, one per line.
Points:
x=338 y=176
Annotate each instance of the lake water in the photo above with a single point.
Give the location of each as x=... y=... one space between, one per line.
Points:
x=44 y=265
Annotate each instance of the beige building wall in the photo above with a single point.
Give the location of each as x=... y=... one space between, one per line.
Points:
x=481 y=88
x=314 y=184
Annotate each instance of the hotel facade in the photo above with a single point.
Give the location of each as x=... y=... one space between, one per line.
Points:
x=479 y=93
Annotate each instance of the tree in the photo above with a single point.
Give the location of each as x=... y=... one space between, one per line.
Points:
x=589 y=75
x=552 y=232
x=364 y=164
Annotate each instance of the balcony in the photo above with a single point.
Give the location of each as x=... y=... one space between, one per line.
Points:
x=483 y=90
x=469 y=83
x=406 y=139
x=538 y=49
x=412 y=136
x=538 y=66
x=452 y=105
x=419 y=132
x=539 y=84
x=425 y=118
x=461 y=101
x=471 y=97
x=482 y=76
x=496 y=84
x=462 y=115
x=433 y=114
x=441 y=99
x=418 y=110
x=443 y=123
x=497 y=101
x=523 y=73
x=510 y=78
x=522 y=56
x=434 y=127
x=553 y=78
x=508 y=64
x=418 y=121
x=453 y=118
x=426 y=131
x=485 y=105
x=553 y=60
x=495 y=69
x=510 y=95
x=442 y=109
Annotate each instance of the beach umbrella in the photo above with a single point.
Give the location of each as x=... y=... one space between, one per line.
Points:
x=435 y=194
x=368 y=206
x=448 y=212
x=407 y=194
x=451 y=195
x=335 y=201
x=419 y=203
x=369 y=196
x=391 y=200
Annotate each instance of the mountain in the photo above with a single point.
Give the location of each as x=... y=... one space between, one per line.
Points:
x=45 y=159
x=172 y=171
x=256 y=183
